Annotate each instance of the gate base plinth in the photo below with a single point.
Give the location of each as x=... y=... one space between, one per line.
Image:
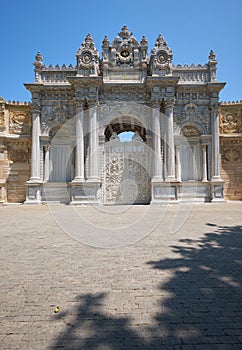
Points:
x=33 y=192
x=163 y=192
x=85 y=192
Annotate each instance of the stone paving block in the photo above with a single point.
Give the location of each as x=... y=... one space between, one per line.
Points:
x=179 y=291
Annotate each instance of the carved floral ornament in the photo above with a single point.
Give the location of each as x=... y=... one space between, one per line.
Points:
x=229 y=124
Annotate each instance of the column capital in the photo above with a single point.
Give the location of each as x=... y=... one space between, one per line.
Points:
x=169 y=103
x=203 y=146
x=36 y=107
x=92 y=103
x=155 y=104
x=47 y=146
x=79 y=102
x=214 y=107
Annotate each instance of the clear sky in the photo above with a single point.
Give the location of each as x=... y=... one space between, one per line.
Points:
x=57 y=28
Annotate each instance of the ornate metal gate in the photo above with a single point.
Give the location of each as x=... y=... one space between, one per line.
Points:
x=126 y=173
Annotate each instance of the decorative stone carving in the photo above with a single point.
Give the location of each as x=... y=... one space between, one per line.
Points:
x=19 y=123
x=231 y=154
x=228 y=124
x=191 y=112
x=88 y=58
x=54 y=117
x=125 y=53
x=160 y=58
x=125 y=174
x=190 y=131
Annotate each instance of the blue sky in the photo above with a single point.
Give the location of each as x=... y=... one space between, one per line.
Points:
x=57 y=28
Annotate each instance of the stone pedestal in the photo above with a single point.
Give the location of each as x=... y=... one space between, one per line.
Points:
x=217 y=191
x=33 y=192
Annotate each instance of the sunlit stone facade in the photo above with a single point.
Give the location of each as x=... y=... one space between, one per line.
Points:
x=183 y=138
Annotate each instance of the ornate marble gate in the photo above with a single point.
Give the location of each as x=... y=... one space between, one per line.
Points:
x=126 y=173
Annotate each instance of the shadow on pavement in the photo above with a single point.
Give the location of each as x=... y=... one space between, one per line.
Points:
x=202 y=309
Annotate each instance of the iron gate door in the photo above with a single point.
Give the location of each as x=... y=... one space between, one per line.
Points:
x=126 y=173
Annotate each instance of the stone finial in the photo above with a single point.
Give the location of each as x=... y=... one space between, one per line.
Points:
x=38 y=57
x=144 y=41
x=212 y=56
x=88 y=43
x=105 y=41
x=160 y=41
x=38 y=61
x=125 y=34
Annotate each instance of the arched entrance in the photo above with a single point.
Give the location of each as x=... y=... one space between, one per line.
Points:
x=126 y=164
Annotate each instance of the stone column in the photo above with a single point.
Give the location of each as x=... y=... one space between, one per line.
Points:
x=35 y=157
x=178 y=163
x=93 y=144
x=157 y=170
x=47 y=163
x=170 y=158
x=215 y=145
x=204 y=162
x=79 y=155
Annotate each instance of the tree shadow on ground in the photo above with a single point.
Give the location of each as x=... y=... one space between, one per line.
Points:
x=202 y=308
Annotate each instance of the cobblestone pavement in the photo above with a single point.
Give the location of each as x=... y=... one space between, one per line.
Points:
x=173 y=289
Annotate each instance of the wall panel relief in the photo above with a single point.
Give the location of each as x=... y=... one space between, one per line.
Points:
x=19 y=123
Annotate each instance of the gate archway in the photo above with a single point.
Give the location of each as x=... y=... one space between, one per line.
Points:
x=126 y=166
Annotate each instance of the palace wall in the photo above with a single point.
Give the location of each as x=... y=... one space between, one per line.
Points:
x=230 y=118
x=15 y=150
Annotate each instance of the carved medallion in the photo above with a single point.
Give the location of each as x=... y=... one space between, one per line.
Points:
x=162 y=57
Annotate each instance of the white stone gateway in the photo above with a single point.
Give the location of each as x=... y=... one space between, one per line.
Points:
x=79 y=114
